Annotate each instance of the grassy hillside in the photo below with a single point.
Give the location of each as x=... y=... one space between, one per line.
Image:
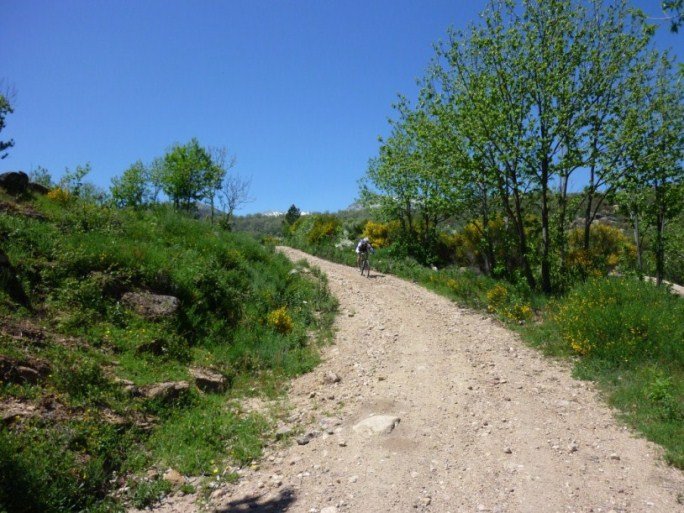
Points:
x=81 y=364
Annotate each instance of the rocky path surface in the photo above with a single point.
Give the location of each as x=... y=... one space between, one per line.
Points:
x=485 y=423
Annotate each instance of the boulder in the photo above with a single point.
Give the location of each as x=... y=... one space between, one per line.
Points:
x=377 y=425
x=151 y=306
x=37 y=188
x=14 y=182
x=167 y=391
x=208 y=380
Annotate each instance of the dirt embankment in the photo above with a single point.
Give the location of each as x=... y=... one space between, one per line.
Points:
x=486 y=424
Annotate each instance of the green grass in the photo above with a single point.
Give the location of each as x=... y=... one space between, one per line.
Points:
x=196 y=439
x=74 y=267
x=628 y=336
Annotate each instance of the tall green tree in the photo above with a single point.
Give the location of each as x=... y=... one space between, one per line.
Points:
x=74 y=182
x=539 y=93
x=655 y=159
x=411 y=180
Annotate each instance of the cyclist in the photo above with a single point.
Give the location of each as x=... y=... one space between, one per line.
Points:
x=362 y=249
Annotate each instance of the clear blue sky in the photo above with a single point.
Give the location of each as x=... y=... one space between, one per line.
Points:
x=297 y=90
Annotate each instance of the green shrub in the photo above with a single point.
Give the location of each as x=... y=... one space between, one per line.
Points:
x=622 y=320
x=324 y=227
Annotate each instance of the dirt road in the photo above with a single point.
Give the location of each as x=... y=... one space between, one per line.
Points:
x=486 y=424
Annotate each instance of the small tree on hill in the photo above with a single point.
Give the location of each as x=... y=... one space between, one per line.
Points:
x=293 y=213
x=234 y=193
x=131 y=189
x=73 y=181
x=41 y=176
x=188 y=174
x=6 y=99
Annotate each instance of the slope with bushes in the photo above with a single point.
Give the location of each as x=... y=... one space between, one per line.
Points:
x=97 y=389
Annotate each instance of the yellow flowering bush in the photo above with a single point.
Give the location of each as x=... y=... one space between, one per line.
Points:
x=59 y=195
x=608 y=246
x=497 y=297
x=379 y=234
x=502 y=301
x=280 y=320
x=325 y=226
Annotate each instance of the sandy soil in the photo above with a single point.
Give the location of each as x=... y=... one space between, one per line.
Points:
x=487 y=424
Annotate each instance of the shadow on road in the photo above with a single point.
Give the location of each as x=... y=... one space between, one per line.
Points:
x=261 y=503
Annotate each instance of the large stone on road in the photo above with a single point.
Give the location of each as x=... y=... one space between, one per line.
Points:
x=377 y=425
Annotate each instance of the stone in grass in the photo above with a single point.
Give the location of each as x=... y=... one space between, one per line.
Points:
x=151 y=306
x=377 y=425
x=208 y=380
x=167 y=391
x=174 y=477
x=283 y=432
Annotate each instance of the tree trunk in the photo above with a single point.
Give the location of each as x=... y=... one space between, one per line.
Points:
x=488 y=253
x=660 y=235
x=588 y=217
x=522 y=242
x=546 y=240
x=637 y=239
x=562 y=209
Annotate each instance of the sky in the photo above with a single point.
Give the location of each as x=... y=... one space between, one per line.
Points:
x=297 y=90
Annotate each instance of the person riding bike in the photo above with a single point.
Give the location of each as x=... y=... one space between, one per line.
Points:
x=362 y=249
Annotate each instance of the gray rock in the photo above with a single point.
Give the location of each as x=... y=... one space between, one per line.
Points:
x=305 y=439
x=377 y=425
x=151 y=306
x=283 y=432
x=209 y=380
x=167 y=391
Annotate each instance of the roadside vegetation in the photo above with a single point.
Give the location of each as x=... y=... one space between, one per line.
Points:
x=470 y=195
x=99 y=396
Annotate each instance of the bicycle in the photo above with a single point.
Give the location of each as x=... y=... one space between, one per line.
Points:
x=364 y=264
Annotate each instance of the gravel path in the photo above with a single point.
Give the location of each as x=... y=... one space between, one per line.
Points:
x=486 y=424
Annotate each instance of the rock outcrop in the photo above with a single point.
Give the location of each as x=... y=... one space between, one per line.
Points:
x=14 y=182
x=151 y=306
x=209 y=380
